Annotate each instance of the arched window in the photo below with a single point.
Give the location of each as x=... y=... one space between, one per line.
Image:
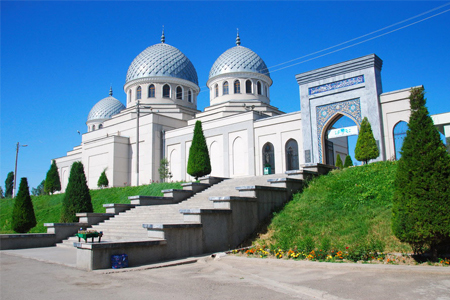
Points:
x=237 y=87
x=248 y=86
x=265 y=91
x=399 y=135
x=216 y=91
x=225 y=88
x=292 y=155
x=138 y=93
x=129 y=98
x=179 y=93
x=190 y=96
x=268 y=158
x=151 y=91
x=166 y=91
x=258 y=85
x=100 y=126
x=93 y=127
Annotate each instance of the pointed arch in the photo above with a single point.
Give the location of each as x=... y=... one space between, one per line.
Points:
x=399 y=133
x=151 y=91
x=291 y=150
x=248 y=86
x=138 y=93
x=237 y=87
x=225 y=88
x=166 y=91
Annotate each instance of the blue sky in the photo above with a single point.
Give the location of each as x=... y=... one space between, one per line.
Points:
x=59 y=58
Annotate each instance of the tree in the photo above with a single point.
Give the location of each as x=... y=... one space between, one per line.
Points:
x=23 y=218
x=52 y=181
x=77 y=198
x=103 y=180
x=164 y=169
x=339 y=162
x=39 y=190
x=421 y=202
x=198 y=164
x=9 y=184
x=348 y=161
x=1 y=193
x=366 y=146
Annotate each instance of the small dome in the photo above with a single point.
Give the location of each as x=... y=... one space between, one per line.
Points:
x=239 y=59
x=105 y=109
x=162 y=60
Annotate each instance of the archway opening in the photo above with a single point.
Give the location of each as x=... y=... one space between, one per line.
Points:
x=340 y=138
x=268 y=159
x=291 y=155
x=399 y=135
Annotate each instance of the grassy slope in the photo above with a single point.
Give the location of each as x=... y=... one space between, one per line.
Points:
x=47 y=208
x=345 y=208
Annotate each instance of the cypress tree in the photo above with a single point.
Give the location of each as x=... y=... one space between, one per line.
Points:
x=77 y=198
x=103 y=180
x=23 y=218
x=339 y=162
x=199 y=163
x=348 y=161
x=421 y=203
x=366 y=146
x=9 y=183
x=52 y=181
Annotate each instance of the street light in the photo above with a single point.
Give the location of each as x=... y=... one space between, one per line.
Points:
x=15 y=170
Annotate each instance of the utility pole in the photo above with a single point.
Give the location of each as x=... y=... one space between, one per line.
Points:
x=15 y=169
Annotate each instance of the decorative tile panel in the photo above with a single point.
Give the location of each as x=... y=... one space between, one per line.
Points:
x=349 y=108
x=336 y=85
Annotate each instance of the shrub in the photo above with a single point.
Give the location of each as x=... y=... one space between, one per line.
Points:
x=366 y=146
x=199 y=163
x=348 y=161
x=23 y=218
x=77 y=198
x=421 y=204
x=103 y=180
x=9 y=184
x=339 y=162
x=52 y=181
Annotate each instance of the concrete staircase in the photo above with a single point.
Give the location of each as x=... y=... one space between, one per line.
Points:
x=215 y=219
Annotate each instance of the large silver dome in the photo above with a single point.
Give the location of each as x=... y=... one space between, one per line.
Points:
x=162 y=60
x=239 y=59
x=105 y=109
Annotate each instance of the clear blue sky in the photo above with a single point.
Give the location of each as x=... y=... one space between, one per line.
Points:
x=59 y=58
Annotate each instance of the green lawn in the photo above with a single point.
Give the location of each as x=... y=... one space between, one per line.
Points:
x=47 y=208
x=348 y=208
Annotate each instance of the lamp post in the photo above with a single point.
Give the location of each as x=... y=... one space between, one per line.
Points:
x=15 y=169
x=137 y=139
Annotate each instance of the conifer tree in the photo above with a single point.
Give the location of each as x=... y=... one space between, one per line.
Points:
x=421 y=203
x=366 y=146
x=199 y=163
x=9 y=184
x=1 y=193
x=163 y=170
x=103 y=180
x=348 y=161
x=77 y=198
x=52 y=181
x=23 y=218
x=339 y=162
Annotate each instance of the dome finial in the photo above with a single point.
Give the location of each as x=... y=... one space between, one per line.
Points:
x=238 y=39
x=110 y=90
x=163 y=37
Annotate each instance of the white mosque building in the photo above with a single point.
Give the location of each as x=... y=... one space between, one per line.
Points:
x=243 y=131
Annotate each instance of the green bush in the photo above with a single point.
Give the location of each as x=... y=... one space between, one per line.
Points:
x=23 y=218
x=52 y=181
x=339 y=162
x=366 y=146
x=77 y=198
x=348 y=161
x=103 y=180
x=421 y=205
x=199 y=163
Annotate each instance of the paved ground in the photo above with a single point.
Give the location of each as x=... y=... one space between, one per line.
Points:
x=225 y=277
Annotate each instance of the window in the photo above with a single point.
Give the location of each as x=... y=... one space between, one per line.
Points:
x=399 y=135
x=225 y=88
x=190 y=96
x=292 y=155
x=258 y=86
x=179 y=93
x=138 y=93
x=265 y=91
x=100 y=126
x=237 y=87
x=268 y=158
x=166 y=91
x=248 y=86
x=129 y=98
x=151 y=91
x=216 y=91
x=93 y=127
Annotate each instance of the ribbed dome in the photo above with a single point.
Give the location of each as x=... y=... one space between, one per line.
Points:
x=162 y=60
x=239 y=59
x=105 y=109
